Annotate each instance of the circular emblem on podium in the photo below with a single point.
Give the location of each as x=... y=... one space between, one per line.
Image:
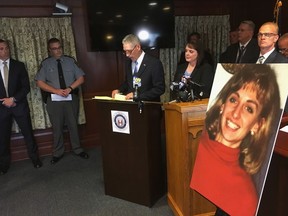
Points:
x=120 y=121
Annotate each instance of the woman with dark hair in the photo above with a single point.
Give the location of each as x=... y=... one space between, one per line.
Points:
x=207 y=56
x=237 y=132
x=195 y=69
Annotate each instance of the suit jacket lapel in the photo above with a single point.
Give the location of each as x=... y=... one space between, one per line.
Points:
x=271 y=57
x=2 y=88
x=3 y=91
x=11 y=67
x=142 y=67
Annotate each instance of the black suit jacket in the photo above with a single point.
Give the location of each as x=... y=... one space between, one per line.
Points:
x=18 y=87
x=18 y=82
x=275 y=57
x=151 y=74
x=202 y=74
x=250 y=56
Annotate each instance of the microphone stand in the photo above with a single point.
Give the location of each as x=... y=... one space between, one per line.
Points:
x=140 y=106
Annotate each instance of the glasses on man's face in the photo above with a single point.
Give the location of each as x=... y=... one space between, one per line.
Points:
x=128 y=52
x=267 y=35
x=283 y=50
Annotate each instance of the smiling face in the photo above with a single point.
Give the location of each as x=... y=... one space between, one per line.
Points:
x=240 y=116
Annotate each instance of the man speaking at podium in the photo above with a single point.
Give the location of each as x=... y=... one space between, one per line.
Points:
x=144 y=73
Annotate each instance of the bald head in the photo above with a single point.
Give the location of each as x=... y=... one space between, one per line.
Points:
x=267 y=37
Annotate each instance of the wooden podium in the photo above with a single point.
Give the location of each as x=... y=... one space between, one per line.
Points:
x=132 y=163
x=184 y=123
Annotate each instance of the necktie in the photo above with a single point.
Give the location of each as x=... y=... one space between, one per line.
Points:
x=240 y=54
x=61 y=76
x=6 y=75
x=135 y=68
x=260 y=60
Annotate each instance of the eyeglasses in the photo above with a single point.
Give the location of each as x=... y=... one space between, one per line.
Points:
x=283 y=50
x=128 y=52
x=268 y=35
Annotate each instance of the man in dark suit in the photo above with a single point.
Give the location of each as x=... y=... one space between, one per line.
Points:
x=267 y=39
x=246 y=50
x=14 y=87
x=143 y=72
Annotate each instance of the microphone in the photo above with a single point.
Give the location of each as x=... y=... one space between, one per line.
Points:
x=182 y=85
x=135 y=93
x=136 y=81
x=187 y=90
x=174 y=86
x=190 y=82
x=177 y=86
x=136 y=85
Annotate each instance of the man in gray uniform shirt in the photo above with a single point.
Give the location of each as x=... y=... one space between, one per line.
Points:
x=59 y=77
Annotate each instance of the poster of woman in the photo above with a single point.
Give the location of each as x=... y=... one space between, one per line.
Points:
x=241 y=125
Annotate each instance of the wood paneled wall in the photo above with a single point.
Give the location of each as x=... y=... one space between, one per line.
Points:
x=105 y=70
x=259 y=11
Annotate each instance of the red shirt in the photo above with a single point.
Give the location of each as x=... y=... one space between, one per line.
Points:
x=218 y=176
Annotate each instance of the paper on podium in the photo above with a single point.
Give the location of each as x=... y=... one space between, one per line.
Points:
x=102 y=97
x=118 y=97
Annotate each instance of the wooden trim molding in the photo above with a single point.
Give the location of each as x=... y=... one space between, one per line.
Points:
x=44 y=140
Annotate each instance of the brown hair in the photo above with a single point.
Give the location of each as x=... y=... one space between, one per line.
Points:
x=199 y=48
x=253 y=147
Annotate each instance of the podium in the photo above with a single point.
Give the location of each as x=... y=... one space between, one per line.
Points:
x=132 y=163
x=184 y=123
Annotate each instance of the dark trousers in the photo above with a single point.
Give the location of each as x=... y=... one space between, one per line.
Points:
x=21 y=114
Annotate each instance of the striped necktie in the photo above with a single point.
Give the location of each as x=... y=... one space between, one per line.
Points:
x=260 y=60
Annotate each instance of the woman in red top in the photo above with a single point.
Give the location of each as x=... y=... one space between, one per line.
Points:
x=235 y=139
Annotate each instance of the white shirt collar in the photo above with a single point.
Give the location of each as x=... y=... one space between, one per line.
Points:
x=140 y=59
x=245 y=43
x=7 y=60
x=2 y=65
x=266 y=55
